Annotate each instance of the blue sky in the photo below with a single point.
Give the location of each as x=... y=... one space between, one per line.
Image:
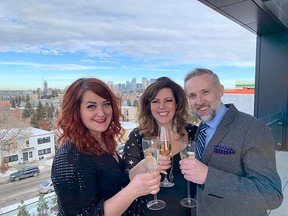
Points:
x=115 y=40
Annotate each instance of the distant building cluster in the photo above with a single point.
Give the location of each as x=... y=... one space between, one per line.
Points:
x=131 y=85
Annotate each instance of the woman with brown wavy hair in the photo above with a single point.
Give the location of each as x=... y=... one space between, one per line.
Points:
x=87 y=173
x=163 y=103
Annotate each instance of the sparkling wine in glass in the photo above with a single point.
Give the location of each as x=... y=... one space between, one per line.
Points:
x=187 y=150
x=150 y=148
x=165 y=150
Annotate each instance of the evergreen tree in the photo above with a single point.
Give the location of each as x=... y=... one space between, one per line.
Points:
x=22 y=210
x=18 y=101
x=28 y=110
x=46 y=108
x=49 y=116
x=42 y=206
x=54 y=200
x=54 y=204
x=38 y=114
x=50 y=113
x=27 y=98
x=40 y=111
x=12 y=103
x=34 y=120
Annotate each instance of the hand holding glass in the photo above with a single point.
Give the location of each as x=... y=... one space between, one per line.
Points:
x=150 y=148
x=165 y=150
x=187 y=150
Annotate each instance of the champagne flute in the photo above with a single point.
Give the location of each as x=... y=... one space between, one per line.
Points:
x=150 y=146
x=187 y=150
x=165 y=150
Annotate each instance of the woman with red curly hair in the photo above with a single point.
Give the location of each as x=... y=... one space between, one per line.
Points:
x=87 y=173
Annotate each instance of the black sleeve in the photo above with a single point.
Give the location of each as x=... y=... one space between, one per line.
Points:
x=133 y=152
x=74 y=195
x=132 y=155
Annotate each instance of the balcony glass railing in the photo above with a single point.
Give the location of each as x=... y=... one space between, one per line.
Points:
x=275 y=123
x=31 y=207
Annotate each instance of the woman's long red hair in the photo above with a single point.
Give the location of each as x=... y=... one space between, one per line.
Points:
x=70 y=126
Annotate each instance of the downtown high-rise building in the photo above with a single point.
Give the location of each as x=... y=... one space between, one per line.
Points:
x=45 y=88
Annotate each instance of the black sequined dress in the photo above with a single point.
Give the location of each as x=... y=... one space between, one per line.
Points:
x=133 y=154
x=83 y=182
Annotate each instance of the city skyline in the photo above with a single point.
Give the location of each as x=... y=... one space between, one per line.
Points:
x=60 y=42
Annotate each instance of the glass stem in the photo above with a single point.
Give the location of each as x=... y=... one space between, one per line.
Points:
x=165 y=178
x=188 y=190
x=155 y=198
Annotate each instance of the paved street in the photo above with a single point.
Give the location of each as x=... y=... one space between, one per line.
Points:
x=12 y=192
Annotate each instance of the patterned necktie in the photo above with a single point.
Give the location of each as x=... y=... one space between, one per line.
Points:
x=201 y=140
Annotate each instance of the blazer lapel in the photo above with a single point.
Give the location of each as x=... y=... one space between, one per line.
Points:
x=220 y=132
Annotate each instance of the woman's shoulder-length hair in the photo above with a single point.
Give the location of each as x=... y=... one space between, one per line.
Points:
x=147 y=124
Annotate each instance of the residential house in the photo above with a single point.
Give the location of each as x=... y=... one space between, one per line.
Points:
x=20 y=145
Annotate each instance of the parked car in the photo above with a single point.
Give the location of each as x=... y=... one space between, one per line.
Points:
x=25 y=172
x=46 y=187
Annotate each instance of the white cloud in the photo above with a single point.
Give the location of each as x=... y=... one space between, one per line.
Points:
x=104 y=28
x=59 y=67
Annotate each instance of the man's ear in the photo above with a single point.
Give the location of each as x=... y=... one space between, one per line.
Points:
x=221 y=90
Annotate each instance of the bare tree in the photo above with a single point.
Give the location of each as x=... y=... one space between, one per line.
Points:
x=12 y=129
